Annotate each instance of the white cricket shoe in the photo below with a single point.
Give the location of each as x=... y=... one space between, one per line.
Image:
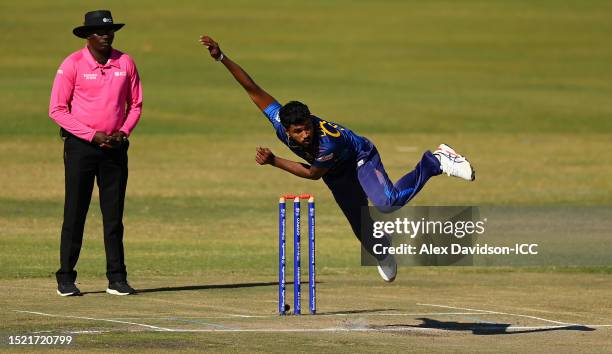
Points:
x=454 y=164
x=387 y=268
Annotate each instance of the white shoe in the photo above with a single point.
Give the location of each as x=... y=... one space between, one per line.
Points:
x=454 y=164
x=387 y=268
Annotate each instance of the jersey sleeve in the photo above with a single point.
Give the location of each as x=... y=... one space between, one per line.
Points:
x=326 y=157
x=272 y=113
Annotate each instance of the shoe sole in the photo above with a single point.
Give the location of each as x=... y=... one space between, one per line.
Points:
x=384 y=276
x=115 y=292
x=452 y=151
x=68 y=294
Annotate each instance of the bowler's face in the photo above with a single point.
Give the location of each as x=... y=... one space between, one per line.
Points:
x=302 y=134
x=101 y=39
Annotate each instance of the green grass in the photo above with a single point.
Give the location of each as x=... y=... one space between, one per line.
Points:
x=520 y=87
x=485 y=66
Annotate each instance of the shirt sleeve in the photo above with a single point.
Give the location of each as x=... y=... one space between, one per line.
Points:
x=327 y=155
x=272 y=113
x=134 y=100
x=59 y=105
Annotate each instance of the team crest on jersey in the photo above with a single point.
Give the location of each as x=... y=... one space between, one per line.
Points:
x=330 y=129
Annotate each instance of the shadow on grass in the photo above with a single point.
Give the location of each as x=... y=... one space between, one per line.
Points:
x=489 y=328
x=199 y=287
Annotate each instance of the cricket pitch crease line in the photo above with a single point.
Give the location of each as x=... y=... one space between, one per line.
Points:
x=512 y=314
x=345 y=314
x=324 y=330
x=332 y=330
x=231 y=330
x=367 y=329
x=295 y=330
x=97 y=319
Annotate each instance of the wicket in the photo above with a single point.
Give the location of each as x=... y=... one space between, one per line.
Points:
x=282 y=233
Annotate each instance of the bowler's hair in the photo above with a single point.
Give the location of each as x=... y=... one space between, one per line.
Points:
x=294 y=112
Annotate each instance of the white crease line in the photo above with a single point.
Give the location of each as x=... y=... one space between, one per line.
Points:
x=87 y=332
x=74 y=332
x=300 y=330
x=551 y=327
x=345 y=329
x=357 y=314
x=391 y=329
x=501 y=313
x=313 y=330
x=96 y=319
x=230 y=316
x=510 y=329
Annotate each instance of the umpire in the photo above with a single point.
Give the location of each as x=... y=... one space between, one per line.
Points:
x=96 y=100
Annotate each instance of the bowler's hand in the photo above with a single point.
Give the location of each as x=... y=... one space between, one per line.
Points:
x=102 y=140
x=213 y=47
x=264 y=156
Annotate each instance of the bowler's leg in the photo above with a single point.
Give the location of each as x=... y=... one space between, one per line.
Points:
x=428 y=167
x=351 y=199
x=381 y=191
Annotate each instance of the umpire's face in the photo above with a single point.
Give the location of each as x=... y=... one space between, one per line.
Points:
x=101 y=39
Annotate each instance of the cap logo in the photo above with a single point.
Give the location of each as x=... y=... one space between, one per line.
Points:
x=107 y=20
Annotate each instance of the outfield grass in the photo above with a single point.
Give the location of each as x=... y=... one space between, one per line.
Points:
x=396 y=66
x=522 y=88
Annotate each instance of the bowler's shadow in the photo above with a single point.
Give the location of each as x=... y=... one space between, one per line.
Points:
x=487 y=328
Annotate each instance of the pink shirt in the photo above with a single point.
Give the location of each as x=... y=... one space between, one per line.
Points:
x=88 y=97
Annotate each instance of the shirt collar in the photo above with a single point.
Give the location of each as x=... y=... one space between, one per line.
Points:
x=112 y=61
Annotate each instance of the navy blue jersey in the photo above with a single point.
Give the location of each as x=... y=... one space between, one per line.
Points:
x=336 y=147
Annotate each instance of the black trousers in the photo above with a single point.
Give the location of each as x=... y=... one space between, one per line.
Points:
x=85 y=162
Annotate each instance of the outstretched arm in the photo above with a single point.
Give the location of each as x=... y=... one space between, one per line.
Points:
x=265 y=157
x=260 y=97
